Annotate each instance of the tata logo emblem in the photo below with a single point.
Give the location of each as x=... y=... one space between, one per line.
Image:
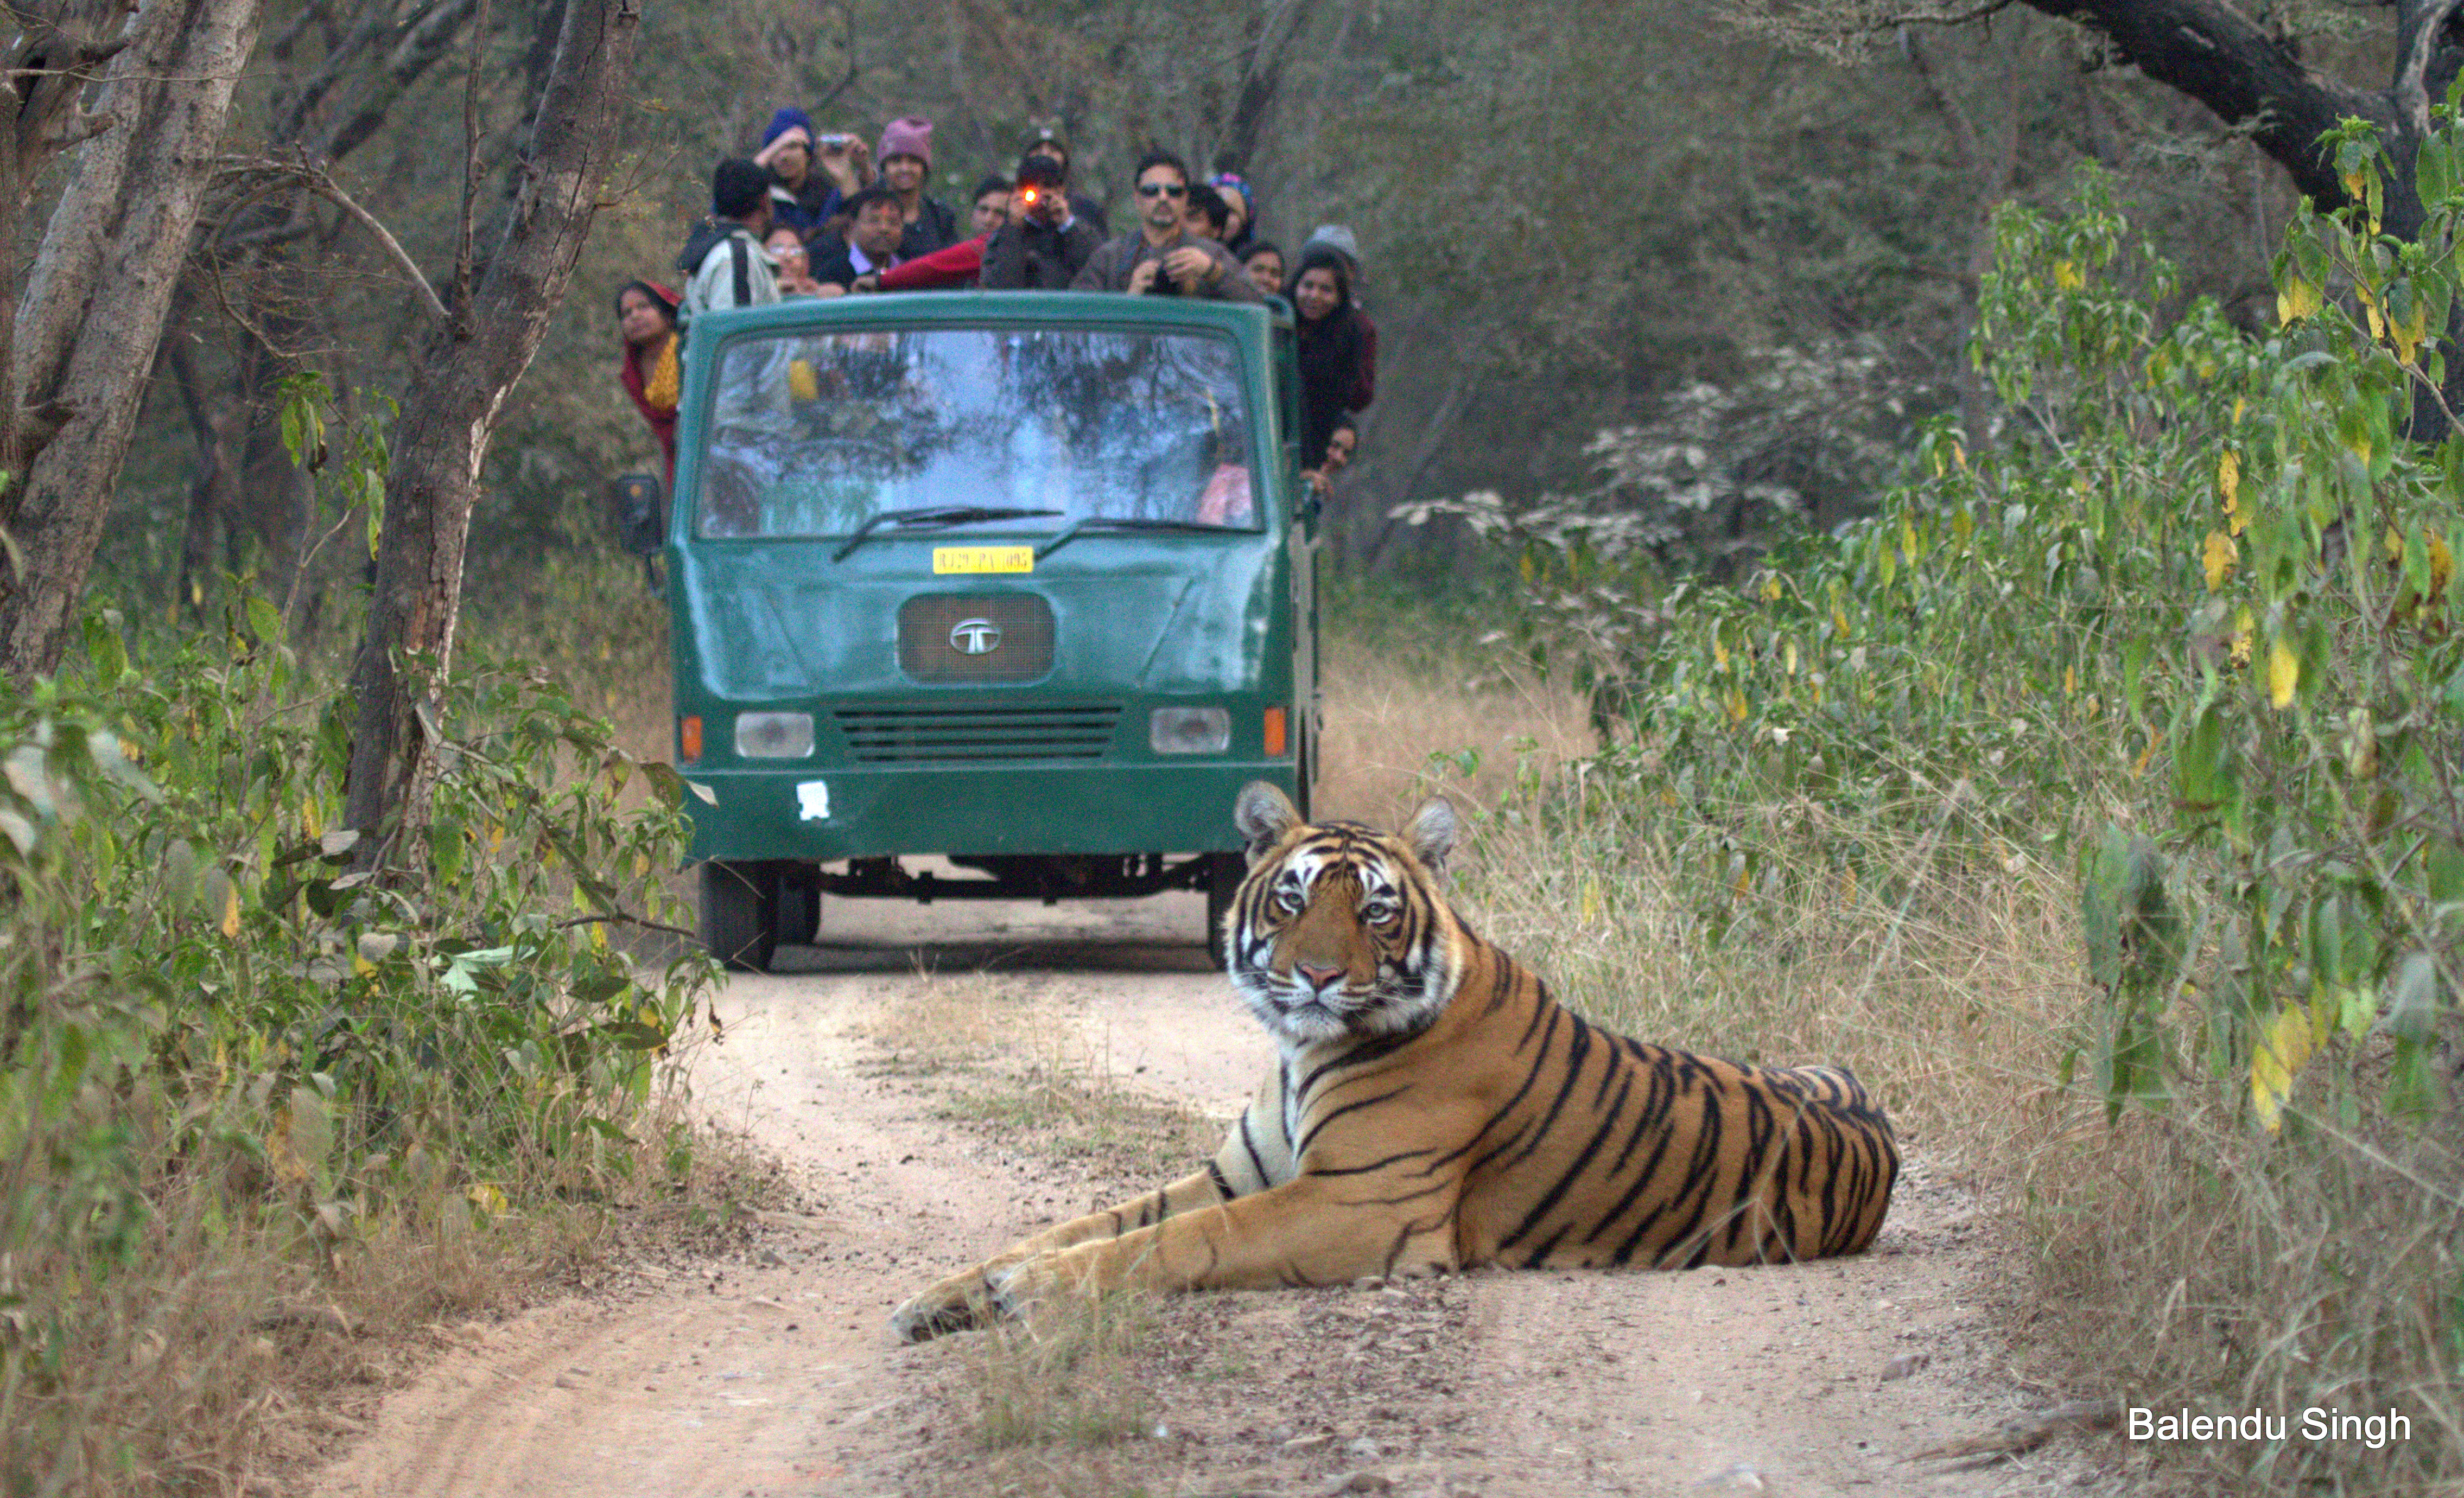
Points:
x=975 y=636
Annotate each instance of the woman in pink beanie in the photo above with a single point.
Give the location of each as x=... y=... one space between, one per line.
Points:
x=905 y=160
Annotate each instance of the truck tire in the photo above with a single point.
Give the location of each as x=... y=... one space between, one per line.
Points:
x=739 y=913
x=800 y=904
x=1224 y=872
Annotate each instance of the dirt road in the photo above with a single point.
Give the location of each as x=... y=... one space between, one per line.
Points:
x=776 y=1377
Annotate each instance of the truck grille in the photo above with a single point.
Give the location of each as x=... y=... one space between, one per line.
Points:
x=913 y=735
x=955 y=639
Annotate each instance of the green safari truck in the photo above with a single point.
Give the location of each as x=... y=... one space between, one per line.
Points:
x=1019 y=583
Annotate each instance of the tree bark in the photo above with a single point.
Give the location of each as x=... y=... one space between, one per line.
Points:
x=451 y=412
x=95 y=303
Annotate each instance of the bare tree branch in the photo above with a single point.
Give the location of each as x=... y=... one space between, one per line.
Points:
x=315 y=180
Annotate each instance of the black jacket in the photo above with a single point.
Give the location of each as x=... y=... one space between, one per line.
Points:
x=935 y=228
x=1034 y=257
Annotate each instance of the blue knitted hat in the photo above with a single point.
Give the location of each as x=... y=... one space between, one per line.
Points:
x=788 y=118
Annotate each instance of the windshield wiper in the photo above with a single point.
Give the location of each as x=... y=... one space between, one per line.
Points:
x=932 y=517
x=1119 y=522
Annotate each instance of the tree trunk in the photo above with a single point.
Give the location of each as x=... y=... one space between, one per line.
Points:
x=452 y=409
x=95 y=301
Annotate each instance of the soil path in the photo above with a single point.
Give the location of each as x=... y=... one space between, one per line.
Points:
x=776 y=1377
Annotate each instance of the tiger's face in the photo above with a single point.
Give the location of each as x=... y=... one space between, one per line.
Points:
x=1340 y=929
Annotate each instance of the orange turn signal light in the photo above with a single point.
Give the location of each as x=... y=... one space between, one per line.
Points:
x=1274 y=732
x=689 y=739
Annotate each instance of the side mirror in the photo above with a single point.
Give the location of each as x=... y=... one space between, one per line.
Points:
x=633 y=502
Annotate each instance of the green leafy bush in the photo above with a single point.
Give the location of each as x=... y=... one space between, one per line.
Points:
x=224 y=1028
x=2189 y=628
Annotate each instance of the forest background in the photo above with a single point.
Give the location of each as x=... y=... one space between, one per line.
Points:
x=1632 y=216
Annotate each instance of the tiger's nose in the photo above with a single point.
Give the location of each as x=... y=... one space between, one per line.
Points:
x=1317 y=977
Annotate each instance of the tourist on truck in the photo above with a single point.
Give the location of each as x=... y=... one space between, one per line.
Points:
x=1162 y=257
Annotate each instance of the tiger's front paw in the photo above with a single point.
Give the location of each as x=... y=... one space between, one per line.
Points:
x=963 y=1302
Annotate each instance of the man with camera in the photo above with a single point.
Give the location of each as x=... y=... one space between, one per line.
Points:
x=1045 y=245
x=870 y=245
x=1163 y=258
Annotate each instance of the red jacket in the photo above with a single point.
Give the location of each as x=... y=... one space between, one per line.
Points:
x=939 y=270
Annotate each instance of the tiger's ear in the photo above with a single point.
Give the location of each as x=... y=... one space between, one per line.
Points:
x=1263 y=814
x=1432 y=833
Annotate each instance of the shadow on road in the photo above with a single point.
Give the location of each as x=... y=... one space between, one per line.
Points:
x=1161 y=933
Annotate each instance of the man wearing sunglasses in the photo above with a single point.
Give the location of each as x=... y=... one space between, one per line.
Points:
x=1162 y=258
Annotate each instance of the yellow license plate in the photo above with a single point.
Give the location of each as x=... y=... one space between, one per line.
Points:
x=983 y=558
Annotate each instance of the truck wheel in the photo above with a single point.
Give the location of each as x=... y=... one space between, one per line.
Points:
x=1224 y=872
x=800 y=904
x=739 y=913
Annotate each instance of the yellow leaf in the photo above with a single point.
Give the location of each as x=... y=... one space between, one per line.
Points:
x=803 y=382
x=2297 y=300
x=1848 y=883
x=1840 y=620
x=2244 y=630
x=2284 y=674
x=496 y=835
x=1790 y=652
x=486 y=1198
x=231 y=908
x=2229 y=480
x=2218 y=557
x=599 y=936
x=2282 y=1051
x=2442 y=563
x=1737 y=705
x=2067 y=277
x=1771 y=588
x=2070 y=680
x=1591 y=900
x=2239 y=402
x=641 y=864
x=1719 y=654
x=309 y=821
x=2371 y=311
x=2407 y=335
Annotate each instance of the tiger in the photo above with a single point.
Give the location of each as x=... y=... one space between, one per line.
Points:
x=1433 y=1108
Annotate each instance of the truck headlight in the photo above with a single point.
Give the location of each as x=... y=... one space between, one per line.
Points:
x=1189 y=731
x=773 y=735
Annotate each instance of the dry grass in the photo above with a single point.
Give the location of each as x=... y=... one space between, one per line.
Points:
x=1007 y=1062
x=1068 y=1380
x=228 y=1346
x=1948 y=986
x=1402 y=689
x=2179 y=1259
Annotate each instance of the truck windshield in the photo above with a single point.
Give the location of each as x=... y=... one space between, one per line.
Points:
x=812 y=434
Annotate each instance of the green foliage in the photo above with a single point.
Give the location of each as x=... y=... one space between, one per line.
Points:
x=2193 y=549
x=2191 y=625
x=220 y=1018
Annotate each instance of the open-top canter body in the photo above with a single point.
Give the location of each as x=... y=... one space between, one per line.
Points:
x=1025 y=580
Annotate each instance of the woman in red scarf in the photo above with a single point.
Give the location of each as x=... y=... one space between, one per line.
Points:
x=646 y=319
